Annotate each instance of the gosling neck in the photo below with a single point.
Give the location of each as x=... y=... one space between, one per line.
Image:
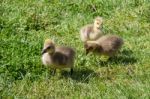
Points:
x=51 y=54
x=95 y=29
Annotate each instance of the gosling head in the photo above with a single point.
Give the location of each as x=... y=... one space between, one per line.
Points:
x=98 y=22
x=49 y=47
x=90 y=47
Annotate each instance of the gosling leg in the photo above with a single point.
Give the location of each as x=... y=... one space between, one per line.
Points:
x=53 y=72
x=71 y=71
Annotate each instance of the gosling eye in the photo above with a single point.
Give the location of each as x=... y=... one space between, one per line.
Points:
x=98 y=23
x=49 y=47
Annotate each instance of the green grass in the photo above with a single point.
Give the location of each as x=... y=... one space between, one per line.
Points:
x=24 y=24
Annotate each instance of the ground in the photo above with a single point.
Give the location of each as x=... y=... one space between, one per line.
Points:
x=25 y=24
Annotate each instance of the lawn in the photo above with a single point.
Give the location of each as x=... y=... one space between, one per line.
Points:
x=25 y=24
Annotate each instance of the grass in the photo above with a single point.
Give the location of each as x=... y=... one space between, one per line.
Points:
x=24 y=24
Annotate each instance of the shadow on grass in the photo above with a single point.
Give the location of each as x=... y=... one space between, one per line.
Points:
x=125 y=57
x=82 y=75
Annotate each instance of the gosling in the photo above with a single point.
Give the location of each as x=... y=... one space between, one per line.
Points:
x=91 y=31
x=57 y=57
x=106 y=45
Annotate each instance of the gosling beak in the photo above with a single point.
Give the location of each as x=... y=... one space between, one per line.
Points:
x=99 y=27
x=43 y=51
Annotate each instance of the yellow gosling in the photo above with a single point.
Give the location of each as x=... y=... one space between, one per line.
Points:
x=92 y=31
x=106 y=45
x=57 y=57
